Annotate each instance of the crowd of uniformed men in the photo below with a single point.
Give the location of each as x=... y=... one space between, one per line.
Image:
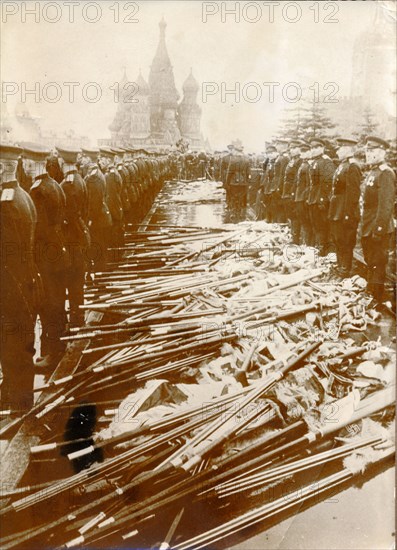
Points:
x=323 y=199
x=64 y=215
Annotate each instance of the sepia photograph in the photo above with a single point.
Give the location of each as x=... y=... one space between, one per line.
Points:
x=198 y=274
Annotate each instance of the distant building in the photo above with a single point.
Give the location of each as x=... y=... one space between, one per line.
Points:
x=374 y=63
x=373 y=82
x=157 y=118
x=189 y=112
x=21 y=125
x=67 y=138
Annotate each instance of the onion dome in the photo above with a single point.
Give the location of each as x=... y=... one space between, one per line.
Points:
x=190 y=84
x=143 y=86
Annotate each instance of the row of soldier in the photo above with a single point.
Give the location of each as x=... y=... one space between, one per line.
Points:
x=322 y=199
x=63 y=216
x=68 y=215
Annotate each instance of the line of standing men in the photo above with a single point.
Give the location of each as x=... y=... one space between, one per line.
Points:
x=321 y=202
x=322 y=199
x=54 y=232
x=234 y=170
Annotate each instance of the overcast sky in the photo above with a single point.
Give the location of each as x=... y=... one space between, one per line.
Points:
x=253 y=50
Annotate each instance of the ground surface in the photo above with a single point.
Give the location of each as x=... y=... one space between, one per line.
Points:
x=358 y=517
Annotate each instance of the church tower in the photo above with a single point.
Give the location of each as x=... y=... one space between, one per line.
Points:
x=140 y=111
x=120 y=128
x=189 y=112
x=163 y=94
x=373 y=70
x=148 y=113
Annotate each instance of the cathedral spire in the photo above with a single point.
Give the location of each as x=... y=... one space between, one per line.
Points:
x=189 y=112
x=163 y=26
x=161 y=58
x=190 y=86
x=163 y=93
x=156 y=117
x=143 y=86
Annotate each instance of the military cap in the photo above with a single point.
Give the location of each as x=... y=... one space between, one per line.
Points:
x=107 y=152
x=90 y=153
x=305 y=146
x=129 y=149
x=346 y=141
x=118 y=150
x=35 y=151
x=374 y=142
x=271 y=149
x=10 y=152
x=295 y=143
x=315 y=142
x=282 y=140
x=68 y=154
